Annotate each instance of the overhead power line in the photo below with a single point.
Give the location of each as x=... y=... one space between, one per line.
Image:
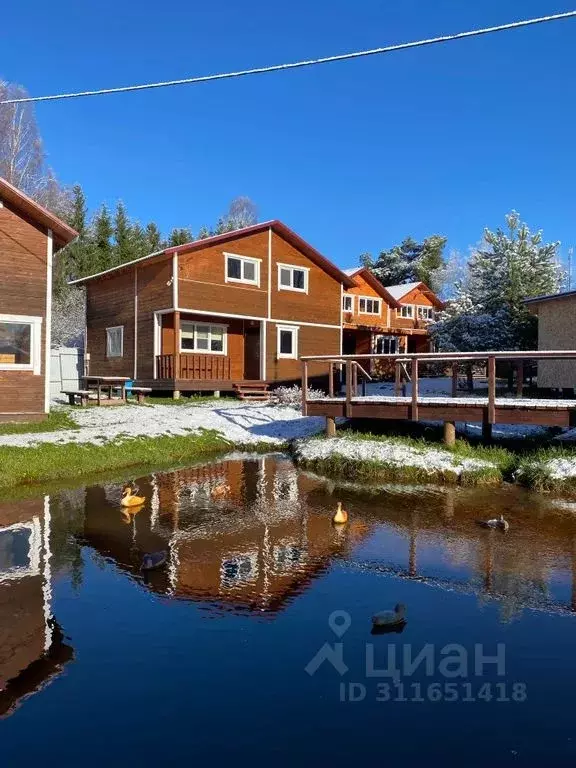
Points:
x=299 y=64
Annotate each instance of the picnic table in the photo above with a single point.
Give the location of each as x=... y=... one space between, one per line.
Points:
x=106 y=384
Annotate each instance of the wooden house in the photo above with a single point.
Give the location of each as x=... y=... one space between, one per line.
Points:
x=556 y=315
x=381 y=319
x=29 y=237
x=208 y=315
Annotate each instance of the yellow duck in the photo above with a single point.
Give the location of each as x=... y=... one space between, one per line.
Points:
x=220 y=490
x=129 y=500
x=341 y=516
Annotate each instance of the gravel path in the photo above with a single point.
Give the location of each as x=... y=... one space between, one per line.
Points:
x=240 y=423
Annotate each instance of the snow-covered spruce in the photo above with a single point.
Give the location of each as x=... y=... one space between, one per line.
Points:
x=381 y=459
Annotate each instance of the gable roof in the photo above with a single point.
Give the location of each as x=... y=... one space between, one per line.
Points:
x=374 y=283
x=63 y=234
x=275 y=225
x=399 y=291
x=549 y=297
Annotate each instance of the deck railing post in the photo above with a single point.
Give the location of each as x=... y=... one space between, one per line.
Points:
x=348 y=388
x=331 y=378
x=454 y=379
x=397 y=378
x=414 y=372
x=491 y=410
x=519 y=378
x=304 y=387
x=176 y=345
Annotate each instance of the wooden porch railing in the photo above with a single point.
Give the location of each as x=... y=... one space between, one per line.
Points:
x=194 y=367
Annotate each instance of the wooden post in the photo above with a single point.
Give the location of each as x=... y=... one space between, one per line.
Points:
x=304 y=387
x=414 y=372
x=355 y=380
x=397 y=379
x=519 y=378
x=449 y=432
x=454 y=379
x=176 y=347
x=491 y=390
x=330 y=379
x=486 y=431
x=330 y=426
x=348 y=388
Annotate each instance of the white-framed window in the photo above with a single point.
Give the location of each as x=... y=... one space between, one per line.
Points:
x=292 y=278
x=406 y=310
x=368 y=305
x=204 y=338
x=20 y=550
x=385 y=345
x=115 y=341
x=238 y=568
x=425 y=313
x=348 y=303
x=241 y=269
x=287 y=341
x=20 y=343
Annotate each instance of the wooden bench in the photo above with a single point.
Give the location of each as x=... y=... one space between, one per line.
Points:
x=81 y=394
x=140 y=392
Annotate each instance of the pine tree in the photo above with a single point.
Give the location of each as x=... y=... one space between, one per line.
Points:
x=123 y=245
x=179 y=237
x=153 y=238
x=102 y=236
x=410 y=262
x=74 y=260
x=203 y=233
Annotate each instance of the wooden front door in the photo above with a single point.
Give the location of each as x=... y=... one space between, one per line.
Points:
x=252 y=352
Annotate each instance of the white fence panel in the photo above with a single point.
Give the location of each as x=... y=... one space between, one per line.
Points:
x=66 y=369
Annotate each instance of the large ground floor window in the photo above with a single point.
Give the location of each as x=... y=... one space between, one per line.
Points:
x=201 y=337
x=20 y=343
x=386 y=345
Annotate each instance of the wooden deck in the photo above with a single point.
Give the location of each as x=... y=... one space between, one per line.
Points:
x=488 y=410
x=197 y=385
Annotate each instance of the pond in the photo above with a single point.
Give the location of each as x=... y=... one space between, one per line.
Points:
x=254 y=641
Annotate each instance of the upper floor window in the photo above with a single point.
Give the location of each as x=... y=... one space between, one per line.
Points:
x=406 y=310
x=368 y=306
x=348 y=303
x=201 y=337
x=292 y=278
x=425 y=313
x=115 y=341
x=242 y=269
x=20 y=343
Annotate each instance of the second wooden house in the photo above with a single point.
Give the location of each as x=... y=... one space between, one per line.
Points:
x=216 y=313
x=390 y=319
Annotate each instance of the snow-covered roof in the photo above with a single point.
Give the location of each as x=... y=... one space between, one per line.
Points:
x=352 y=272
x=398 y=291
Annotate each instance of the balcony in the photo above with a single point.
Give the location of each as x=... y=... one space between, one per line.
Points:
x=194 y=367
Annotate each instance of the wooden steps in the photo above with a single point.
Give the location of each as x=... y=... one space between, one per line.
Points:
x=252 y=392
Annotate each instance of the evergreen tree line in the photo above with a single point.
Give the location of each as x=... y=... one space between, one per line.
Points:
x=110 y=238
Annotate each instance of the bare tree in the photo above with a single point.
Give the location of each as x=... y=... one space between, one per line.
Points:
x=242 y=212
x=22 y=156
x=69 y=318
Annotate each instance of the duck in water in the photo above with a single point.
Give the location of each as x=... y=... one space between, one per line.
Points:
x=390 y=621
x=129 y=500
x=496 y=522
x=340 y=516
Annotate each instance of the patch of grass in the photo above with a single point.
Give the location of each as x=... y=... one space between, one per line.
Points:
x=501 y=462
x=56 y=419
x=534 y=473
x=52 y=462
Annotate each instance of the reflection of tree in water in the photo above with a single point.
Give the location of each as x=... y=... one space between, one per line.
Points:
x=67 y=524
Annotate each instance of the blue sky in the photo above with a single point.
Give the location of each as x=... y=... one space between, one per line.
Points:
x=354 y=156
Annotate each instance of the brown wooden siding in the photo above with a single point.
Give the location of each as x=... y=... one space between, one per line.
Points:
x=110 y=302
x=311 y=339
x=202 y=284
x=363 y=288
x=417 y=298
x=154 y=294
x=322 y=302
x=23 y=265
x=235 y=348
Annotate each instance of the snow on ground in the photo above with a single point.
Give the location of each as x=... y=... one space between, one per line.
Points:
x=431 y=460
x=560 y=469
x=239 y=423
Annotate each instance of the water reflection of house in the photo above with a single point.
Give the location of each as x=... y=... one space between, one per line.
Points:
x=253 y=548
x=32 y=651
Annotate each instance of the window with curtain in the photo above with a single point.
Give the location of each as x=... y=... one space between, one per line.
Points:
x=201 y=337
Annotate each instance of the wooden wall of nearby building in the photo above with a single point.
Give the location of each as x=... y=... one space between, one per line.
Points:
x=363 y=288
x=311 y=339
x=557 y=330
x=109 y=303
x=23 y=276
x=202 y=284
